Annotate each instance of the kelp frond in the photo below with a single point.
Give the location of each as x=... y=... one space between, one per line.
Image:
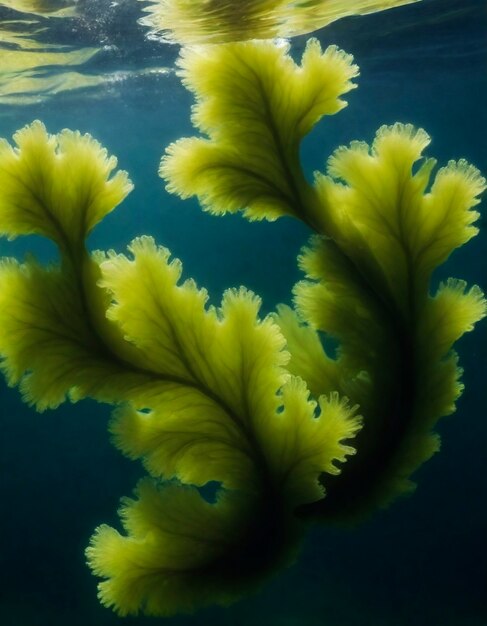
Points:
x=219 y=395
x=255 y=105
x=383 y=227
x=201 y=392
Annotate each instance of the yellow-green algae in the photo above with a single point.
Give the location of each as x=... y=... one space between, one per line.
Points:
x=206 y=393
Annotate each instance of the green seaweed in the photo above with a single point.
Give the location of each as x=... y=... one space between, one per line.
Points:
x=203 y=393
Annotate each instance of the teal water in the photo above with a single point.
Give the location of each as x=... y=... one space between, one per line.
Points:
x=423 y=562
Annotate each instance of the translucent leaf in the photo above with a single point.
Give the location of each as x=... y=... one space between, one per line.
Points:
x=169 y=560
x=188 y=436
x=453 y=311
x=255 y=104
x=230 y=416
x=58 y=186
x=202 y=392
x=446 y=219
x=300 y=447
x=47 y=344
x=230 y=363
x=229 y=351
x=385 y=216
x=308 y=357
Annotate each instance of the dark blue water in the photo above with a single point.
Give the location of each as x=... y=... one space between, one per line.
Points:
x=423 y=562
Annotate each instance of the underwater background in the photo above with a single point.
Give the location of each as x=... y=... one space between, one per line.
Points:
x=421 y=562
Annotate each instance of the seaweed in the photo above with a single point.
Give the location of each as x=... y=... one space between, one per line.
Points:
x=219 y=395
